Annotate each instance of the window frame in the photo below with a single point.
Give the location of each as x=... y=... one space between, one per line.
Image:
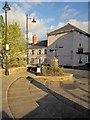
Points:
x=33 y=52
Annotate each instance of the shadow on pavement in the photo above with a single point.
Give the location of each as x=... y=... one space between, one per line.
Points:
x=5 y=116
x=54 y=105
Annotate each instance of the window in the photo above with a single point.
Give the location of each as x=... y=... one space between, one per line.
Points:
x=45 y=51
x=61 y=47
x=32 y=60
x=39 y=51
x=80 y=61
x=80 y=45
x=52 y=50
x=80 y=50
x=32 y=52
x=45 y=60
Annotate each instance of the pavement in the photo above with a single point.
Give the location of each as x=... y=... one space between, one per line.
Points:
x=32 y=99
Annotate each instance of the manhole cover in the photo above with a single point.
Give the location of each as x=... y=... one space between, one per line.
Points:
x=70 y=86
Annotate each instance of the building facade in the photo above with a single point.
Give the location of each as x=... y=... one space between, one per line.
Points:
x=70 y=45
x=37 y=52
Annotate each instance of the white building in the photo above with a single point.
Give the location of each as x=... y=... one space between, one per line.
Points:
x=70 y=45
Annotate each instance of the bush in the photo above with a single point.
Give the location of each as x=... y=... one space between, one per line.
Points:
x=16 y=62
x=52 y=71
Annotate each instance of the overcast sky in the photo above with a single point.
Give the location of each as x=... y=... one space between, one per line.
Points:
x=49 y=15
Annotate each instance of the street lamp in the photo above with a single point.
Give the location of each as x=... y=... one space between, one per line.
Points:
x=6 y=8
x=33 y=21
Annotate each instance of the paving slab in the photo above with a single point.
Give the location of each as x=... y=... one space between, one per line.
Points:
x=38 y=101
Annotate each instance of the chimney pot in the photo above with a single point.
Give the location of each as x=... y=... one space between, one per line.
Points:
x=34 y=39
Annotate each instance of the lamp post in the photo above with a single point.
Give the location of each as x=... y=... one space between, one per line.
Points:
x=33 y=21
x=6 y=8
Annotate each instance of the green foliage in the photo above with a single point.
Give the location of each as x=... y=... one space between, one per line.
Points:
x=17 y=44
x=52 y=71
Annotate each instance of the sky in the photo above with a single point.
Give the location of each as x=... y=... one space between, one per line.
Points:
x=49 y=15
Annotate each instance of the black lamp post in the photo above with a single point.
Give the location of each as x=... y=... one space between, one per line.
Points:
x=33 y=21
x=6 y=8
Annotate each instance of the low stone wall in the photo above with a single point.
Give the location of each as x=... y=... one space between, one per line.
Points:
x=63 y=78
x=13 y=70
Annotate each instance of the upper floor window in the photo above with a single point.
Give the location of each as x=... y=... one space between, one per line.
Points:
x=80 y=61
x=39 y=51
x=32 y=52
x=52 y=50
x=80 y=50
x=45 y=51
x=80 y=45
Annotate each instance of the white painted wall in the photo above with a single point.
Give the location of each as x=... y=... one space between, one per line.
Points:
x=64 y=54
x=70 y=42
x=36 y=55
x=83 y=39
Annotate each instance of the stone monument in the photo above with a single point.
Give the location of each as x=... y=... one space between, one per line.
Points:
x=54 y=62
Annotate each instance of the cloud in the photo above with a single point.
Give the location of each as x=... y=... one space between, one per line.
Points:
x=69 y=13
x=39 y=28
x=17 y=14
x=50 y=20
x=52 y=27
x=82 y=25
x=26 y=7
x=61 y=24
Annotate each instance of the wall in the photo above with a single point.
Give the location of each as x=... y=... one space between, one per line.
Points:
x=64 y=54
x=83 y=39
x=67 y=55
x=36 y=55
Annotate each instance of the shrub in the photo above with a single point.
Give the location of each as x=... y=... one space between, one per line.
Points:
x=52 y=71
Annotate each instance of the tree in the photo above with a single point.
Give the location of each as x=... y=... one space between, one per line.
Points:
x=17 y=45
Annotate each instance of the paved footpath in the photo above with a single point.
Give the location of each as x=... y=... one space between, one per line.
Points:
x=37 y=101
x=6 y=80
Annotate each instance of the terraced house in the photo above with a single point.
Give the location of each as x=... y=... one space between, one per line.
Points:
x=37 y=51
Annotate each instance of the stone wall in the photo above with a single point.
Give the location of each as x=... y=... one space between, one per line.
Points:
x=64 y=78
x=13 y=70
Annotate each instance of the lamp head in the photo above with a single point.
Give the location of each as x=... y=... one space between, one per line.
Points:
x=33 y=21
x=6 y=7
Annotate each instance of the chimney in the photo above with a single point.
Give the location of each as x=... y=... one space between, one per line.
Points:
x=34 y=39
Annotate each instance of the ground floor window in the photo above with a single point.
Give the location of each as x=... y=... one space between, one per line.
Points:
x=80 y=61
x=32 y=60
x=45 y=60
x=88 y=58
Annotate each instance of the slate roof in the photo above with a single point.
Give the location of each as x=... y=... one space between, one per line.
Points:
x=40 y=44
x=68 y=28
